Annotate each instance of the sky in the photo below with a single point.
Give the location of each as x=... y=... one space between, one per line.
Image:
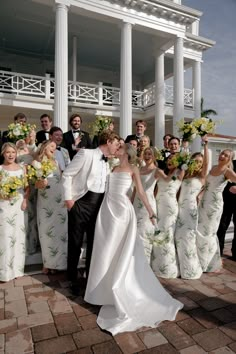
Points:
x=218 y=23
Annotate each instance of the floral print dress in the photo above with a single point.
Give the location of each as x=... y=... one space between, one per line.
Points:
x=13 y=225
x=52 y=223
x=145 y=228
x=32 y=237
x=164 y=259
x=210 y=211
x=186 y=227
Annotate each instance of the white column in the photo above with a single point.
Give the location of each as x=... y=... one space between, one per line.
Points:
x=196 y=86
x=126 y=80
x=178 y=83
x=74 y=59
x=61 y=67
x=159 y=99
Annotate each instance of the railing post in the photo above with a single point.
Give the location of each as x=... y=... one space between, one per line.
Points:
x=100 y=93
x=47 y=86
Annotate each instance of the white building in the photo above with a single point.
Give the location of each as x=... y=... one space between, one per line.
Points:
x=219 y=142
x=109 y=57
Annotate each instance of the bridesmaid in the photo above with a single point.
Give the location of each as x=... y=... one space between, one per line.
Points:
x=186 y=226
x=164 y=261
x=143 y=143
x=148 y=178
x=26 y=150
x=210 y=211
x=52 y=215
x=12 y=212
x=149 y=175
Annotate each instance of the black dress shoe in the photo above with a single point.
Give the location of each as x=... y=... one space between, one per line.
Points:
x=75 y=289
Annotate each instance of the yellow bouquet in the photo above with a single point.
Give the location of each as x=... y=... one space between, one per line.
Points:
x=180 y=160
x=192 y=167
x=204 y=126
x=17 y=131
x=10 y=185
x=100 y=123
x=40 y=170
x=158 y=154
x=187 y=130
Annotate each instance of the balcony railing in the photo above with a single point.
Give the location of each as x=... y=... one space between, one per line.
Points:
x=82 y=92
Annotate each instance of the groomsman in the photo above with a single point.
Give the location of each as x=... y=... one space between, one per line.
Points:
x=141 y=126
x=174 y=145
x=46 y=124
x=165 y=151
x=75 y=139
x=84 y=185
x=229 y=213
x=61 y=154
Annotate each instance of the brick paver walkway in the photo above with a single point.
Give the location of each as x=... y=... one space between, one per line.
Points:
x=39 y=315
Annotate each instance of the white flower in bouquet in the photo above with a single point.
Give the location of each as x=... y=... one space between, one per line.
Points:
x=184 y=167
x=203 y=127
x=36 y=164
x=38 y=173
x=16 y=131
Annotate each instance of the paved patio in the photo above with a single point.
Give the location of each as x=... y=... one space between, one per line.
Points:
x=39 y=315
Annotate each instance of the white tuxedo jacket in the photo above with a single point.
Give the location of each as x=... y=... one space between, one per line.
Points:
x=79 y=175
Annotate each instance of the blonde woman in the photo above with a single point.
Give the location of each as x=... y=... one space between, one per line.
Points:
x=164 y=257
x=143 y=143
x=187 y=221
x=148 y=175
x=210 y=211
x=25 y=156
x=51 y=214
x=13 y=216
x=120 y=278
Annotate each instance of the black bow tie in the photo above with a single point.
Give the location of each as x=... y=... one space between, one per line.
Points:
x=76 y=131
x=104 y=158
x=59 y=148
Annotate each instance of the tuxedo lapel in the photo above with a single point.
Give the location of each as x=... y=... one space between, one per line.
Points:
x=71 y=137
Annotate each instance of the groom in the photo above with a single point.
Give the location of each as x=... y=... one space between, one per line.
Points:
x=84 y=186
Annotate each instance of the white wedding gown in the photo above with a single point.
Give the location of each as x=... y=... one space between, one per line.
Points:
x=120 y=278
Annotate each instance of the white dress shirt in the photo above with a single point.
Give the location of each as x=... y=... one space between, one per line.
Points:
x=99 y=184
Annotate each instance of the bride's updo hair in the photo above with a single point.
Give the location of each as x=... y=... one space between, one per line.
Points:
x=132 y=154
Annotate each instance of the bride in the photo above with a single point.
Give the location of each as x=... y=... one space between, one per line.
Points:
x=120 y=278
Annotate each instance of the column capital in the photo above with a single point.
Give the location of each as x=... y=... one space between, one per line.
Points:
x=128 y=22
x=62 y=3
x=157 y=52
x=124 y=22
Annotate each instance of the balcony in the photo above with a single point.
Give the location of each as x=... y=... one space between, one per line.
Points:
x=81 y=93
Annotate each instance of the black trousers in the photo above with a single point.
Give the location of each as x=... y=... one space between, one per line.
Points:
x=229 y=211
x=82 y=218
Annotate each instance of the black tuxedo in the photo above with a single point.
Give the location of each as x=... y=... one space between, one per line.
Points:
x=229 y=211
x=5 y=138
x=162 y=163
x=40 y=137
x=68 y=141
x=132 y=137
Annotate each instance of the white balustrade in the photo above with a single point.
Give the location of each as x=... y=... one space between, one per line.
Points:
x=82 y=92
